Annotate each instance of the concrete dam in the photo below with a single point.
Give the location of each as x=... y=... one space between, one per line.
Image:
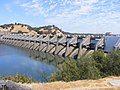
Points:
x=67 y=46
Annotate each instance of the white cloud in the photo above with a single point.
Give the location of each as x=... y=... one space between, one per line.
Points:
x=78 y=14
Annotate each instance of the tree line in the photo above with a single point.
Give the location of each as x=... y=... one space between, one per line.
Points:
x=96 y=65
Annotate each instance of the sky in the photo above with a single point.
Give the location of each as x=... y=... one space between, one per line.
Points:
x=76 y=16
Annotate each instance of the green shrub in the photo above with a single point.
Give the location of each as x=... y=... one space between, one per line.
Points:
x=18 y=78
x=112 y=64
x=100 y=59
x=88 y=68
x=67 y=71
x=93 y=66
x=72 y=70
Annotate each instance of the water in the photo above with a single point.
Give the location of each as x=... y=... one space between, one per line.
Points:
x=35 y=64
x=110 y=42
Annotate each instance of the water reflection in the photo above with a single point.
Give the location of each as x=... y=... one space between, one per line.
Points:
x=35 y=64
x=50 y=59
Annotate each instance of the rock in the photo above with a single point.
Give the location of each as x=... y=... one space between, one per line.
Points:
x=10 y=85
x=115 y=82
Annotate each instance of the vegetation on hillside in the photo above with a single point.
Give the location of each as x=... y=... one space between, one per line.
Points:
x=94 y=66
x=49 y=28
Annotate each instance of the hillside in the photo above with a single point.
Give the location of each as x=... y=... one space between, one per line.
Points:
x=50 y=30
x=23 y=28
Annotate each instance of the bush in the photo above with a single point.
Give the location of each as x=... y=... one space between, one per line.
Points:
x=98 y=56
x=100 y=59
x=88 y=68
x=18 y=78
x=67 y=71
x=93 y=66
x=112 y=64
x=72 y=70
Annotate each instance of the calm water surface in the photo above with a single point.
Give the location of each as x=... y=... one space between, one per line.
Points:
x=35 y=64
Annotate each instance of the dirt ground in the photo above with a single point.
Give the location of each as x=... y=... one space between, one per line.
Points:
x=101 y=84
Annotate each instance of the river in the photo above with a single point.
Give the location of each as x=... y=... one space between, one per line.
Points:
x=37 y=65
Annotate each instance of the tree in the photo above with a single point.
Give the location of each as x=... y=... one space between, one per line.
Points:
x=88 y=68
x=100 y=59
x=12 y=27
x=98 y=56
x=112 y=64
x=72 y=70
x=68 y=71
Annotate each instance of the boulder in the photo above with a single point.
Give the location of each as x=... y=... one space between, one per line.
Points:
x=10 y=85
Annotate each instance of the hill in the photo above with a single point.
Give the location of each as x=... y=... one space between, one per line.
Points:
x=24 y=28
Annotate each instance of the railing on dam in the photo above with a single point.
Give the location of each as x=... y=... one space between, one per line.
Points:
x=66 y=46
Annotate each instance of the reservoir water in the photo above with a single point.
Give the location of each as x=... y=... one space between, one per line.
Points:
x=37 y=65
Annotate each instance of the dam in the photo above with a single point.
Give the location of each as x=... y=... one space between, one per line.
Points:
x=73 y=46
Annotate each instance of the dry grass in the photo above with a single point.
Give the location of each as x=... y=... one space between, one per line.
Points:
x=18 y=28
x=32 y=33
x=53 y=30
x=101 y=84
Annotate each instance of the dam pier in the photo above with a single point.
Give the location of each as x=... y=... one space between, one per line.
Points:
x=73 y=46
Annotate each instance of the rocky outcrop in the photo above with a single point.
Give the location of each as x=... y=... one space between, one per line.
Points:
x=10 y=85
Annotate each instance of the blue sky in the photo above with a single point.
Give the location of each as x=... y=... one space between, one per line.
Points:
x=82 y=16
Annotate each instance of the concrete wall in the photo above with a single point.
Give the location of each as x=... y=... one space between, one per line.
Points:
x=66 y=46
